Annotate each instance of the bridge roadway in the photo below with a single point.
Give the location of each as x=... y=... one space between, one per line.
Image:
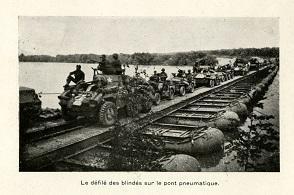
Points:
x=45 y=152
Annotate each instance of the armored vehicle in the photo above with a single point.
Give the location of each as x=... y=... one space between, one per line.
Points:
x=207 y=76
x=29 y=106
x=241 y=67
x=163 y=89
x=102 y=98
x=225 y=72
x=255 y=63
x=182 y=85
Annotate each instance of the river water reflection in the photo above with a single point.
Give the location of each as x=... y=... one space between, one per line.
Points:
x=50 y=77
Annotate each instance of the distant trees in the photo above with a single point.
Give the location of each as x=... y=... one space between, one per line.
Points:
x=247 y=52
x=177 y=59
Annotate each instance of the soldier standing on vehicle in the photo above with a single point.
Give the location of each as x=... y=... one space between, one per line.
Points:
x=116 y=64
x=180 y=73
x=78 y=74
x=154 y=77
x=163 y=75
x=102 y=64
x=189 y=75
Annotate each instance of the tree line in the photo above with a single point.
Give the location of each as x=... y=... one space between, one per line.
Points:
x=178 y=59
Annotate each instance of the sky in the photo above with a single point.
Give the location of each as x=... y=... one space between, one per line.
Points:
x=107 y=35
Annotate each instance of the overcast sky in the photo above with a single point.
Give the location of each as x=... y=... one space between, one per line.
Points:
x=106 y=35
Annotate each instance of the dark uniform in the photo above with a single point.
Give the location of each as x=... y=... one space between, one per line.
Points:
x=105 y=66
x=78 y=74
x=163 y=75
x=180 y=73
x=116 y=65
x=154 y=77
x=189 y=76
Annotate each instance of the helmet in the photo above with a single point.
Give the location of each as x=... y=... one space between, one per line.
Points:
x=162 y=69
x=115 y=55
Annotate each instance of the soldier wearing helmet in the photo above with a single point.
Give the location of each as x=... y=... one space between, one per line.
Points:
x=189 y=76
x=163 y=75
x=116 y=64
x=104 y=65
x=154 y=77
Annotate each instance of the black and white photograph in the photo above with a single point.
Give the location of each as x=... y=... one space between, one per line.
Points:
x=148 y=94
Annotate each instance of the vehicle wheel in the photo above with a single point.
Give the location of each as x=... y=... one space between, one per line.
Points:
x=211 y=83
x=171 y=94
x=157 y=99
x=107 y=114
x=182 y=91
x=192 y=88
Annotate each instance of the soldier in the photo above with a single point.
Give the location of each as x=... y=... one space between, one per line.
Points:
x=102 y=63
x=189 y=75
x=163 y=75
x=154 y=77
x=116 y=64
x=180 y=73
x=79 y=76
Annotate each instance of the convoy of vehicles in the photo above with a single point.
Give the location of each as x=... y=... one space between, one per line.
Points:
x=102 y=98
